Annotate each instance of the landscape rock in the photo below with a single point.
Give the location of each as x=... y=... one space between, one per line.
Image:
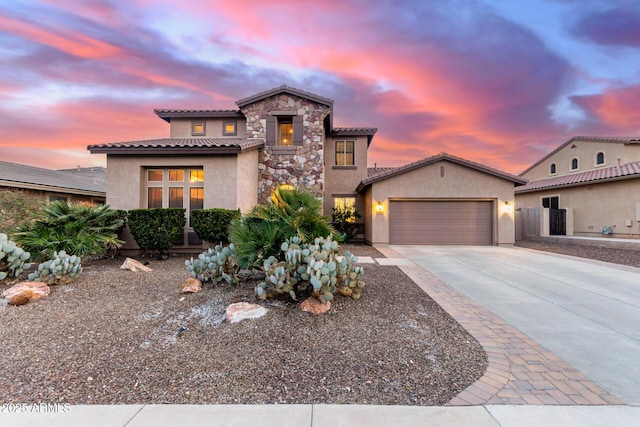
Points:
x=133 y=265
x=191 y=285
x=243 y=310
x=312 y=305
x=24 y=292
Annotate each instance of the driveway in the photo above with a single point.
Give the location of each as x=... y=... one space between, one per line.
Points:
x=586 y=312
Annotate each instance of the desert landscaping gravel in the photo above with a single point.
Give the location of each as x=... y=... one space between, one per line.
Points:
x=617 y=256
x=113 y=337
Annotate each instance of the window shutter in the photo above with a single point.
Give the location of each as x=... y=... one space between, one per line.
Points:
x=297 y=130
x=270 y=133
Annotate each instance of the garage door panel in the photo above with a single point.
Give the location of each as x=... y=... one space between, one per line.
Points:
x=441 y=222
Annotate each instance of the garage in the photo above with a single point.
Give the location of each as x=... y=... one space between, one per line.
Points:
x=459 y=222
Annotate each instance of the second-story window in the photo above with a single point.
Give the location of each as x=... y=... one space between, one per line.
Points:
x=198 y=128
x=285 y=132
x=574 y=164
x=230 y=128
x=344 y=153
x=552 y=169
x=600 y=159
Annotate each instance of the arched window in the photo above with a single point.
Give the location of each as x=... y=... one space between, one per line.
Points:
x=600 y=158
x=552 y=169
x=574 y=164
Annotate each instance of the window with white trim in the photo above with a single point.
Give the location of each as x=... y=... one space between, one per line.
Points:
x=574 y=164
x=553 y=169
x=600 y=158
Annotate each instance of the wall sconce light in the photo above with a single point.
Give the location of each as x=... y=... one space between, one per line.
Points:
x=507 y=208
x=379 y=208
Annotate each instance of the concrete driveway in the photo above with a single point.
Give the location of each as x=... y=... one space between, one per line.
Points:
x=586 y=312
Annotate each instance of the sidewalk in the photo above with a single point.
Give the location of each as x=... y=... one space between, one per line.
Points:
x=327 y=416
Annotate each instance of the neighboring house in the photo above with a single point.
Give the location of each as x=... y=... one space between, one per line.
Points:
x=588 y=186
x=71 y=185
x=285 y=136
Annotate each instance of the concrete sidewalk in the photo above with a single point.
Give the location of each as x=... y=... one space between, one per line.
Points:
x=327 y=416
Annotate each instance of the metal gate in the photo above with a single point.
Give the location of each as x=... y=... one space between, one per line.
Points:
x=558 y=222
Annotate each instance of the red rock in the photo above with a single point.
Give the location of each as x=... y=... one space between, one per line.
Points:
x=191 y=285
x=24 y=292
x=312 y=305
x=244 y=310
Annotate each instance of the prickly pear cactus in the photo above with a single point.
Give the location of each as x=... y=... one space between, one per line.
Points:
x=314 y=267
x=13 y=259
x=215 y=265
x=61 y=269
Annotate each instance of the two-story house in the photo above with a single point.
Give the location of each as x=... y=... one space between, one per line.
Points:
x=588 y=186
x=236 y=158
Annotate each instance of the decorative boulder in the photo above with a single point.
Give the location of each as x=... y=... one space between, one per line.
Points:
x=24 y=292
x=312 y=305
x=191 y=285
x=243 y=310
x=133 y=265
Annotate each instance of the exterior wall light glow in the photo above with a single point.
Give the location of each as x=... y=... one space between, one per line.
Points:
x=379 y=208
x=507 y=208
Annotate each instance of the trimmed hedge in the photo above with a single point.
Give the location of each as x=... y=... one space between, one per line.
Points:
x=212 y=225
x=156 y=229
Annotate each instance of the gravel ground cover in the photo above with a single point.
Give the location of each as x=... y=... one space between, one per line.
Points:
x=113 y=337
x=617 y=256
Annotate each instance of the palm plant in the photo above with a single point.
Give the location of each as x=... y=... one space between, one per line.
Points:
x=77 y=228
x=259 y=234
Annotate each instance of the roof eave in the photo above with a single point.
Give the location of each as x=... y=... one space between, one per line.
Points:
x=168 y=150
x=578 y=184
x=168 y=115
x=52 y=188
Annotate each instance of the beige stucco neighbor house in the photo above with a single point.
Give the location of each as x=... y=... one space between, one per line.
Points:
x=47 y=185
x=236 y=158
x=588 y=186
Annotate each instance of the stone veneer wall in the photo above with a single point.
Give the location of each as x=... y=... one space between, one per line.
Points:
x=300 y=166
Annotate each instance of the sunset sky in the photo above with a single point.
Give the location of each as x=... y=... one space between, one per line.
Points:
x=500 y=82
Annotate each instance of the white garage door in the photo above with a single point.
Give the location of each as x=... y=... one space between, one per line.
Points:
x=440 y=222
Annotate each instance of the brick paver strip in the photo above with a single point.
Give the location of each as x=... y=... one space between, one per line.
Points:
x=520 y=371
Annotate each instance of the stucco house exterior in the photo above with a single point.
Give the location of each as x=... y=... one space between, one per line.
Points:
x=588 y=186
x=47 y=185
x=236 y=158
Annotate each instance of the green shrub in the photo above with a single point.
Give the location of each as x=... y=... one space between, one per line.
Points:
x=13 y=259
x=215 y=265
x=212 y=225
x=76 y=228
x=156 y=229
x=259 y=234
x=311 y=268
x=17 y=209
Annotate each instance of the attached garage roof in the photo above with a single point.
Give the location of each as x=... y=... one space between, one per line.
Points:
x=385 y=173
x=612 y=173
x=179 y=146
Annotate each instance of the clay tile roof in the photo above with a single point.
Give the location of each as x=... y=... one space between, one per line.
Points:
x=609 y=139
x=23 y=176
x=375 y=171
x=390 y=172
x=168 y=114
x=364 y=130
x=181 y=145
x=284 y=89
x=624 y=171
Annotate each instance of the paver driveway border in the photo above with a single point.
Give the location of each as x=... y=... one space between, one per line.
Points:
x=520 y=371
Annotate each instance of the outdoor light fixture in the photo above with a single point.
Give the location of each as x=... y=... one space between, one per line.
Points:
x=380 y=208
x=507 y=208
